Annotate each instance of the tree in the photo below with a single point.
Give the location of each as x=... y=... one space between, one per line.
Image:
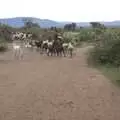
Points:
x=97 y=25
x=28 y=23
x=94 y=24
x=71 y=26
x=66 y=26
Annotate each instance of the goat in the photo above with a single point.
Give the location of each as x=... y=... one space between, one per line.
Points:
x=17 y=51
x=28 y=45
x=70 y=49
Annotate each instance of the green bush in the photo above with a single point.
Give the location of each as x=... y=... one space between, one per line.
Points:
x=86 y=35
x=5 y=32
x=107 y=50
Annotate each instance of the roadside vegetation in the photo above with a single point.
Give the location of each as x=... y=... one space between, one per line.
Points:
x=106 y=52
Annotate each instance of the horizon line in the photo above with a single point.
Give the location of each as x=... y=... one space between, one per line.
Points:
x=59 y=21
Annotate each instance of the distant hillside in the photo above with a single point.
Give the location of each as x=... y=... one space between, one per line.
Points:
x=18 y=22
x=45 y=23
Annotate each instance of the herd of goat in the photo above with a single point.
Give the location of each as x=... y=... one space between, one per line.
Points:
x=51 y=47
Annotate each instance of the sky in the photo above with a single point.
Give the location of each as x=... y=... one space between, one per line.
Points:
x=62 y=10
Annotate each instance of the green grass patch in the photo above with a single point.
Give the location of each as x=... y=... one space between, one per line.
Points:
x=112 y=73
x=109 y=71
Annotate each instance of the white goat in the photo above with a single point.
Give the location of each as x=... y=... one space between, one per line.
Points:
x=50 y=43
x=17 y=51
x=70 y=48
x=27 y=45
x=45 y=41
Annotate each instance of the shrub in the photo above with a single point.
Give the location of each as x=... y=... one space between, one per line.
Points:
x=107 y=50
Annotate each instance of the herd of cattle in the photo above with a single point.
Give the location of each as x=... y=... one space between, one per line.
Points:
x=53 y=47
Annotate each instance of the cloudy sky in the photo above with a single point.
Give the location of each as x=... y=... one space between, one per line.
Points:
x=62 y=10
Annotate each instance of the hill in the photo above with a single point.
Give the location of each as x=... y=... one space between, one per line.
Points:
x=18 y=22
x=45 y=23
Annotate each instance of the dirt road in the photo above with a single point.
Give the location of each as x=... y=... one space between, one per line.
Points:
x=53 y=88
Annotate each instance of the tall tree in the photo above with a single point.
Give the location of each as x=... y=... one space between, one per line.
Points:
x=97 y=25
x=28 y=23
x=71 y=26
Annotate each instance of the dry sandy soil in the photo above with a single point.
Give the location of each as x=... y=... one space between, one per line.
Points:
x=54 y=88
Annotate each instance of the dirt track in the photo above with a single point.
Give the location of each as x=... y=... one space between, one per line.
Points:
x=51 y=88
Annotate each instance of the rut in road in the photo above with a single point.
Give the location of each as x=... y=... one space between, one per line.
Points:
x=54 y=88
